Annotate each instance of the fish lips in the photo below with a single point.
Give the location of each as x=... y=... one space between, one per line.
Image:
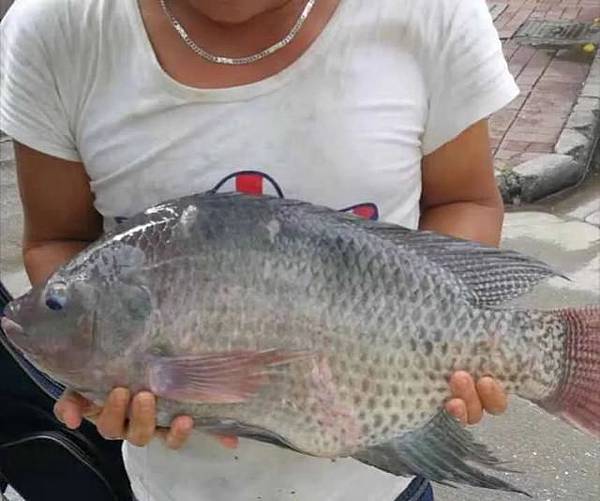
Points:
x=15 y=333
x=16 y=312
x=11 y=328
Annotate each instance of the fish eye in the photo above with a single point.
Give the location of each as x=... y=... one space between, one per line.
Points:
x=56 y=296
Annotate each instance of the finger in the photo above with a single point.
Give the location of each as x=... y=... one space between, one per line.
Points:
x=228 y=441
x=71 y=407
x=142 y=421
x=180 y=431
x=457 y=408
x=111 y=421
x=463 y=387
x=492 y=395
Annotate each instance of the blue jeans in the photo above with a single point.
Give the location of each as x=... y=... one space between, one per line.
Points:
x=418 y=490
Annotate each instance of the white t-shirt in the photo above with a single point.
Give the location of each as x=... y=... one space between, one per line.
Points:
x=346 y=125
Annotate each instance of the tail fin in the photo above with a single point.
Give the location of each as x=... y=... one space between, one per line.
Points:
x=577 y=399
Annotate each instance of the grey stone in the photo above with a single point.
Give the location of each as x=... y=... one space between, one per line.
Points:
x=572 y=142
x=591 y=89
x=592 y=83
x=585 y=114
x=587 y=104
x=594 y=74
x=547 y=174
x=509 y=185
x=581 y=119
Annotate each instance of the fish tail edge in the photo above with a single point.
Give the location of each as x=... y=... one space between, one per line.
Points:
x=577 y=399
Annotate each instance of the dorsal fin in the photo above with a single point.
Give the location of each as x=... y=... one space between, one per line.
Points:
x=490 y=276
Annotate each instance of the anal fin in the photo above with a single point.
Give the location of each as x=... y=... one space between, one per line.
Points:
x=442 y=451
x=224 y=426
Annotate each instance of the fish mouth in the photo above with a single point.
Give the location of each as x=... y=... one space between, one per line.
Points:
x=12 y=329
x=15 y=334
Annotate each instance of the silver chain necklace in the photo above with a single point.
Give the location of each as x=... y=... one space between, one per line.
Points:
x=240 y=60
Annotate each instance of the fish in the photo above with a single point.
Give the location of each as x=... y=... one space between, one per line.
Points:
x=303 y=327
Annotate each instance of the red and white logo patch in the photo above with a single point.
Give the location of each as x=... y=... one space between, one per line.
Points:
x=366 y=211
x=251 y=183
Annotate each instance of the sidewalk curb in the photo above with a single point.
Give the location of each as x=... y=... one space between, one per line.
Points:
x=573 y=152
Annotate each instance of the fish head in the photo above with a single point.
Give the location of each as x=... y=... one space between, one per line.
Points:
x=79 y=326
x=54 y=324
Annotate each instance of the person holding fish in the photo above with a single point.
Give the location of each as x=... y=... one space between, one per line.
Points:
x=118 y=105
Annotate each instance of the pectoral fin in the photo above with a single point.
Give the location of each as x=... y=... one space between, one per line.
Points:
x=218 y=377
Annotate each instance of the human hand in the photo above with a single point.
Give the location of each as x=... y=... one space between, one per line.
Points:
x=470 y=399
x=124 y=418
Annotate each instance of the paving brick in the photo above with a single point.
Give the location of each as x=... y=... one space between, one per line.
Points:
x=503 y=154
x=533 y=133
x=589 y=13
x=515 y=145
x=555 y=13
x=550 y=81
x=540 y=147
x=517 y=103
x=511 y=27
x=504 y=118
x=571 y=13
x=525 y=157
x=535 y=67
x=567 y=71
x=494 y=143
x=520 y=59
x=563 y=88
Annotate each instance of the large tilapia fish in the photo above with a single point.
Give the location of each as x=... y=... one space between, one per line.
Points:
x=295 y=324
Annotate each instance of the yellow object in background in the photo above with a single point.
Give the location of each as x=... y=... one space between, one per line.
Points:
x=589 y=48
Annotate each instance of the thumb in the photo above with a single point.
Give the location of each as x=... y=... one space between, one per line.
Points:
x=227 y=441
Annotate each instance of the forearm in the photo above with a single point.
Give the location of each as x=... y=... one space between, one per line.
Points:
x=43 y=258
x=477 y=221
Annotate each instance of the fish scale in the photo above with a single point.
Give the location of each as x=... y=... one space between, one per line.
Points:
x=296 y=325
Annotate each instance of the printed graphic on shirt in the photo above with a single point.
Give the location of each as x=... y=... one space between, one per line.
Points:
x=253 y=182
x=367 y=211
x=250 y=182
